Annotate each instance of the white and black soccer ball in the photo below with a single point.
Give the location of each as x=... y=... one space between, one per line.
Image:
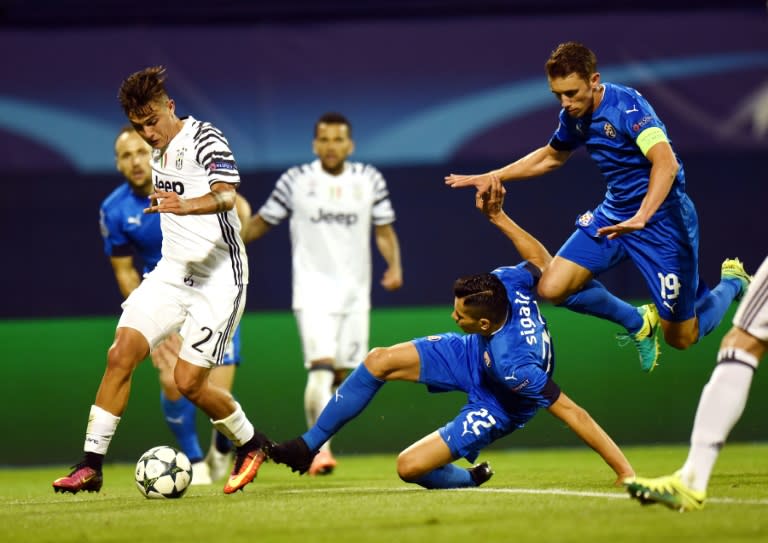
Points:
x=163 y=472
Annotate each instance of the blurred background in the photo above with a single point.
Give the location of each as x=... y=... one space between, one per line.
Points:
x=431 y=88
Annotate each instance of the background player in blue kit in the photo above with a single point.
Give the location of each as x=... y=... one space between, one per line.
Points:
x=646 y=215
x=504 y=363
x=128 y=232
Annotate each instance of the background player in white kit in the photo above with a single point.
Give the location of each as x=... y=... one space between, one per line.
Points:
x=720 y=407
x=197 y=288
x=332 y=204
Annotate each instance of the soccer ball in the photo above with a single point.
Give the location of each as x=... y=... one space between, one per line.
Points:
x=163 y=472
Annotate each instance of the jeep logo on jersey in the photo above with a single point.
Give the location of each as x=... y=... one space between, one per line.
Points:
x=170 y=186
x=329 y=217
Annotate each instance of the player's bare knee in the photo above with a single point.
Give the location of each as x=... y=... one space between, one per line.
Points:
x=376 y=361
x=122 y=359
x=407 y=468
x=550 y=291
x=188 y=387
x=678 y=341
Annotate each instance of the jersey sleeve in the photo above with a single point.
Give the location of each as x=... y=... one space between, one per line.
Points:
x=524 y=275
x=565 y=137
x=115 y=241
x=530 y=381
x=279 y=205
x=642 y=124
x=212 y=152
x=381 y=212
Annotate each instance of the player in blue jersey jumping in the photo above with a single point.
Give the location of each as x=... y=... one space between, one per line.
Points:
x=504 y=363
x=128 y=232
x=646 y=215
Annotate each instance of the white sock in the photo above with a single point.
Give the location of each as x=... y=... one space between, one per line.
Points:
x=101 y=427
x=236 y=427
x=317 y=393
x=720 y=407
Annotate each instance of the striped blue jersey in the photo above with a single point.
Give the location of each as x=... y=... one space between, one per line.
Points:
x=614 y=137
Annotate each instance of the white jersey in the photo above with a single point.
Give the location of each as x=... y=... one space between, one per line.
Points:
x=330 y=223
x=205 y=249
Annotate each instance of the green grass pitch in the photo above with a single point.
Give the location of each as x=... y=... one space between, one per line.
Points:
x=541 y=495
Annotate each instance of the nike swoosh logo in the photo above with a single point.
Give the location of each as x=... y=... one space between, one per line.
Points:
x=247 y=472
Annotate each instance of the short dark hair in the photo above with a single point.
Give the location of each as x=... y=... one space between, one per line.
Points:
x=140 y=89
x=333 y=117
x=571 y=58
x=484 y=294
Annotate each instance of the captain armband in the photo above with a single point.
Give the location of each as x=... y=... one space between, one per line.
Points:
x=650 y=137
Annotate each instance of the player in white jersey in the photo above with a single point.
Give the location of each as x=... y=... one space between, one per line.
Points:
x=332 y=204
x=720 y=407
x=197 y=288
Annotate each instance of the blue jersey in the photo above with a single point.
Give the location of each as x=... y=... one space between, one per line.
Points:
x=507 y=377
x=617 y=134
x=126 y=230
x=518 y=358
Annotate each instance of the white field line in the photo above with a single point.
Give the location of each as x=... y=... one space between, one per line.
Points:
x=537 y=491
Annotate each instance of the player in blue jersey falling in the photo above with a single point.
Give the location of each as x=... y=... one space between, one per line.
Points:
x=646 y=215
x=504 y=363
x=128 y=232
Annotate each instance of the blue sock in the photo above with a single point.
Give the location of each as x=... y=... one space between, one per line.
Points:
x=448 y=476
x=712 y=304
x=180 y=416
x=594 y=299
x=351 y=398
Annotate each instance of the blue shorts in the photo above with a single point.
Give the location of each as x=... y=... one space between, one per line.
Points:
x=666 y=252
x=453 y=362
x=232 y=354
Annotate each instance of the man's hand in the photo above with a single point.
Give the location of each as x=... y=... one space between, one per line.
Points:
x=631 y=225
x=491 y=203
x=392 y=279
x=481 y=182
x=167 y=202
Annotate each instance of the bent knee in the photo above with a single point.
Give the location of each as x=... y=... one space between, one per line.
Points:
x=122 y=358
x=678 y=341
x=551 y=291
x=376 y=361
x=407 y=468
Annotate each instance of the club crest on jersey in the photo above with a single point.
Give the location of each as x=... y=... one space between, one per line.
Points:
x=180 y=157
x=585 y=219
x=609 y=130
x=487 y=359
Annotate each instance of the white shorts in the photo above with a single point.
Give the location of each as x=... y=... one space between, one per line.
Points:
x=752 y=315
x=205 y=316
x=340 y=336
